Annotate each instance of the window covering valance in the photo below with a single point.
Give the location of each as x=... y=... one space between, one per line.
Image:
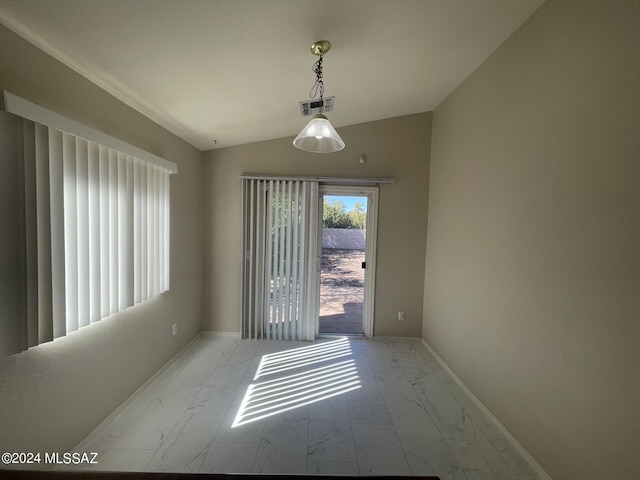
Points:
x=36 y=113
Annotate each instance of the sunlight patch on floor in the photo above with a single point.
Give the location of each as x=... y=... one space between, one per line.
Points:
x=324 y=372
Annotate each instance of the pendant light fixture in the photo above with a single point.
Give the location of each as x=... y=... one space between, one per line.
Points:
x=319 y=136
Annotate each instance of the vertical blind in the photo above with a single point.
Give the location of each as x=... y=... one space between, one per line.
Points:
x=96 y=231
x=279 y=281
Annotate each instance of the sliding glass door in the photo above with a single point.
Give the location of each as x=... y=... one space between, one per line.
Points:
x=348 y=226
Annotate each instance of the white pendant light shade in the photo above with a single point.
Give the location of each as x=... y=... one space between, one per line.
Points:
x=319 y=136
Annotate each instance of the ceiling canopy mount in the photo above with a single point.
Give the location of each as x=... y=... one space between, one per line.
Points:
x=321 y=47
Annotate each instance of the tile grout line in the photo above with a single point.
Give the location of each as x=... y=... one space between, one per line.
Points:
x=404 y=452
x=162 y=443
x=84 y=443
x=353 y=437
x=435 y=423
x=408 y=357
x=447 y=441
x=503 y=430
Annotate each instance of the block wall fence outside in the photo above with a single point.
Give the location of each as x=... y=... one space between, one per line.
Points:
x=344 y=238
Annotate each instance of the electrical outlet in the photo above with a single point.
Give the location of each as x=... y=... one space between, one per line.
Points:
x=400 y=315
x=174 y=328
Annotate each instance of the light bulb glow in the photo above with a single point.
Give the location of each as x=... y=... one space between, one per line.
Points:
x=319 y=136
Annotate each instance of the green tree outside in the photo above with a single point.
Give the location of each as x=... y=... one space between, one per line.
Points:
x=334 y=215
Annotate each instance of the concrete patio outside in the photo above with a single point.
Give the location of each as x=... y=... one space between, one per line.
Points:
x=341 y=291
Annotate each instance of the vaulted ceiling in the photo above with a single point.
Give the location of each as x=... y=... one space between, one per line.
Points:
x=226 y=72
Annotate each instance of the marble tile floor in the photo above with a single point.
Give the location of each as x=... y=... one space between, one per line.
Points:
x=334 y=406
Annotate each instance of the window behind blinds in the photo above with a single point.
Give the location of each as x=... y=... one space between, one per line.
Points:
x=96 y=231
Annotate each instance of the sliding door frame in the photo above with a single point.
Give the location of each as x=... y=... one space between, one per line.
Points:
x=371 y=192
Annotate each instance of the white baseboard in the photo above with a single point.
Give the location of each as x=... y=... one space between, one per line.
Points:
x=220 y=334
x=81 y=447
x=520 y=449
x=400 y=339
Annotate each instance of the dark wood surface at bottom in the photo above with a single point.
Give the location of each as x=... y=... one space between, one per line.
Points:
x=77 y=475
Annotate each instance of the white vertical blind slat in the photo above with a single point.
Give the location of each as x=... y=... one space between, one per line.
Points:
x=95 y=293
x=114 y=276
x=280 y=242
x=70 y=230
x=303 y=255
x=275 y=318
x=96 y=232
x=287 y=264
x=296 y=262
x=312 y=273
x=156 y=230
x=130 y=246
x=152 y=239
x=144 y=232
x=122 y=231
x=158 y=237
x=56 y=186
x=105 y=232
x=276 y=261
x=245 y=277
x=277 y=275
x=160 y=230
x=250 y=284
x=45 y=299
x=82 y=231
x=268 y=302
x=151 y=222
x=167 y=231
x=30 y=235
x=137 y=229
x=259 y=263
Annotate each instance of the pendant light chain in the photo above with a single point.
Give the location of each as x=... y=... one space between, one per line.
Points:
x=318 y=87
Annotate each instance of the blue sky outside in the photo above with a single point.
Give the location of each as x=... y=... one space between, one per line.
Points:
x=348 y=200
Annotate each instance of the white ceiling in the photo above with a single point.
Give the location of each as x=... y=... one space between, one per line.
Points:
x=235 y=70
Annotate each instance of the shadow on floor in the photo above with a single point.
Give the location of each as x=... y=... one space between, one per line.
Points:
x=350 y=321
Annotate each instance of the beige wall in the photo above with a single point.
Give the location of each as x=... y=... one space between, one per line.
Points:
x=53 y=395
x=397 y=147
x=532 y=291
